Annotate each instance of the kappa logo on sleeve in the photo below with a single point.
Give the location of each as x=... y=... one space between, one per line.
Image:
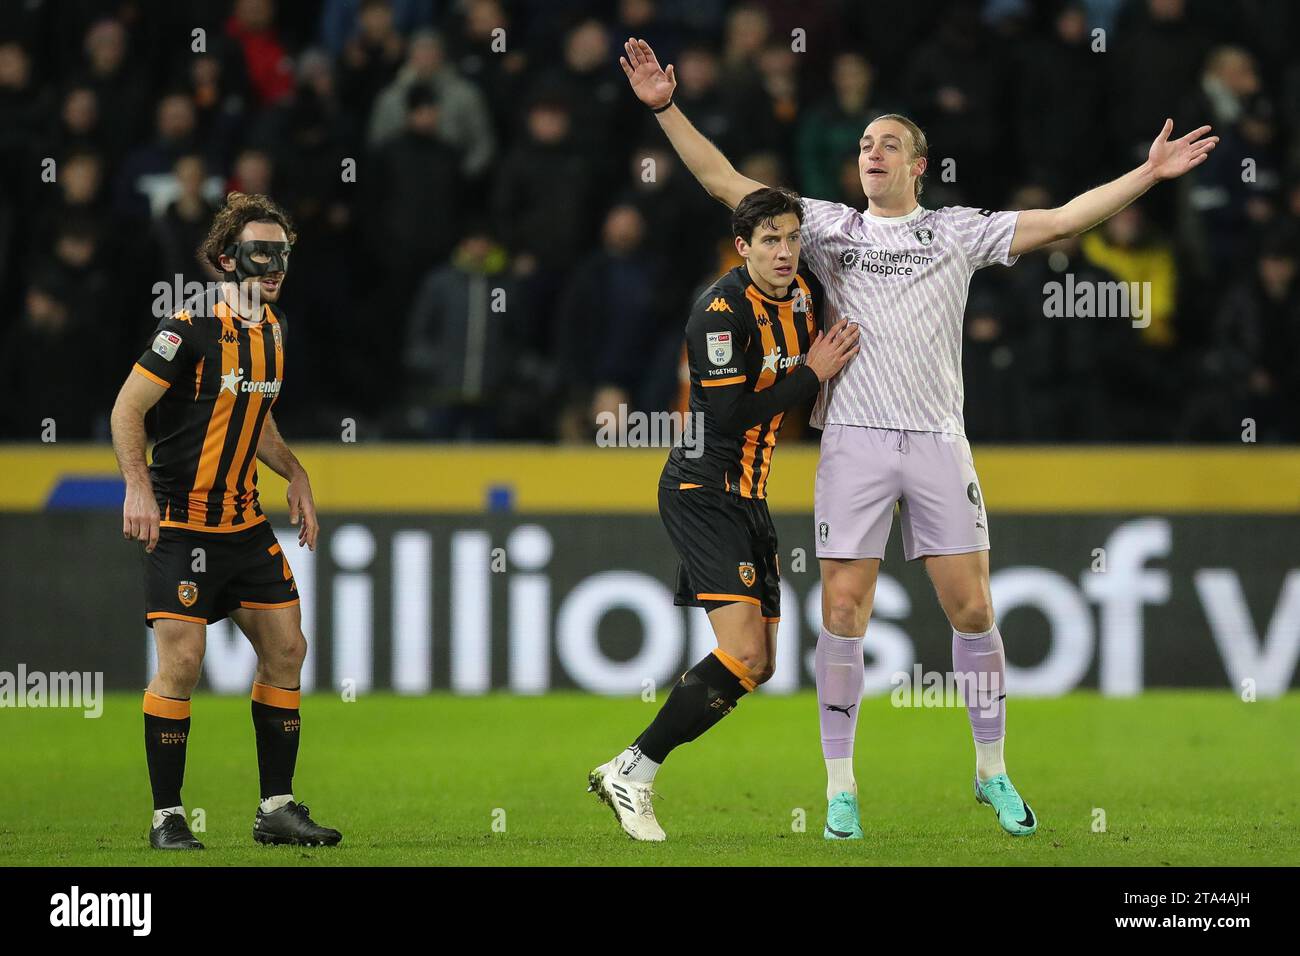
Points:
x=719 y=345
x=166 y=344
x=719 y=304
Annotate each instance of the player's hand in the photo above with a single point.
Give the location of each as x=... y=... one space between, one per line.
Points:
x=832 y=350
x=652 y=86
x=302 y=511
x=1170 y=159
x=140 y=516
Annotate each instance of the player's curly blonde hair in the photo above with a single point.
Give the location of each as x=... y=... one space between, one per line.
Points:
x=241 y=209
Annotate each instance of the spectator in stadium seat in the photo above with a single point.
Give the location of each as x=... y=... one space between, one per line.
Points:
x=1127 y=246
x=1153 y=55
x=52 y=364
x=270 y=70
x=24 y=114
x=479 y=46
x=1257 y=339
x=338 y=20
x=956 y=93
x=612 y=320
x=144 y=184
x=180 y=230
x=1227 y=204
x=829 y=131
x=460 y=344
x=219 y=93
x=1059 y=147
x=413 y=191
x=78 y=129
x=371 y=57
x=712 y=108
x=543 y=206
x=121 y=90
x=463 y=118
x=600 y=115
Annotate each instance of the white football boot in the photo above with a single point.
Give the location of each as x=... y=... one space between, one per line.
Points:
x=631 y=802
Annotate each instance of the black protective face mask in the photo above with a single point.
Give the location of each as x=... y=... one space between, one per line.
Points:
x=273 y=256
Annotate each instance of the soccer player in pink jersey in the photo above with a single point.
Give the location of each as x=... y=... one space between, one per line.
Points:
x=892 y=420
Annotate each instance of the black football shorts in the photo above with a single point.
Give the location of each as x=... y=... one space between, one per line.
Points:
x=234 y=569
x=727 y=546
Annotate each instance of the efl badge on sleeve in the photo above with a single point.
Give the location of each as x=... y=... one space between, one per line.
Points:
x=719 y=345
x=747 y=575
x=188 y=592
x=166 y=344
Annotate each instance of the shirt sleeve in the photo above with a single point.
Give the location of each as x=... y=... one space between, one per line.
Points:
x=172 y=351
x=819 y=217
x=716 y=348
x=984 y=235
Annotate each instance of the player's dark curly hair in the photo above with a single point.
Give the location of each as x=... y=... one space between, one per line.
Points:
x=241 y=209
x=761 y=207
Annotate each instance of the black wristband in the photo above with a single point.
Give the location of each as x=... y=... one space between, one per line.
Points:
x=664 y=107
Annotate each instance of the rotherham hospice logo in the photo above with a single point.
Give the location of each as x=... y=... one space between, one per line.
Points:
x=634 y=429
x=882 y=261
x=76 y=909
x=56 y=689
x=1098 y=300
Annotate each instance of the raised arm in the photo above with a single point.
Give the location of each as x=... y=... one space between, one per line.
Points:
x=140 y=509
x=654 y=87
x=1166 y=160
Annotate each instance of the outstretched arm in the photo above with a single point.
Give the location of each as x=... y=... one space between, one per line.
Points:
x=1166 y=160
x=654 y=87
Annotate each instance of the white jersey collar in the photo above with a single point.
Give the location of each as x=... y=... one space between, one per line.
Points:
x=886 y=220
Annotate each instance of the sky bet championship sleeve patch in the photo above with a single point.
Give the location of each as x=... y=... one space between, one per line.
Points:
x=719 y=344
x=166 y=344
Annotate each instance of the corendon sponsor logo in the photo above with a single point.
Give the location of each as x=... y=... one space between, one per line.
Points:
x=233 y=381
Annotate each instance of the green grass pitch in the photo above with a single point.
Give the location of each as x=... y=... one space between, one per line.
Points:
x=1183 y=778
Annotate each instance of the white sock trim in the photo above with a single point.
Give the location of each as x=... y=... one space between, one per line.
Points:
x=273 y=803
x=971 y=637
x=159 y=814
x=839 y=777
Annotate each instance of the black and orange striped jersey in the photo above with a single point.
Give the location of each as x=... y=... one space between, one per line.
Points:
x=222 y=375
x=746 y=353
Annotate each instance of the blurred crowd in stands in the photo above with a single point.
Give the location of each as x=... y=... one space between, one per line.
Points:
x=496 y=241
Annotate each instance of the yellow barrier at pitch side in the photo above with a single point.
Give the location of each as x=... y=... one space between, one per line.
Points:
x=457 y=478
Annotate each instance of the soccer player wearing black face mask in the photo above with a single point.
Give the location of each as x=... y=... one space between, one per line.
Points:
x=208 y=381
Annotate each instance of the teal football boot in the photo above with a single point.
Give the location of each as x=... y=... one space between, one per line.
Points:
x=1013 y=813
x=842 y=821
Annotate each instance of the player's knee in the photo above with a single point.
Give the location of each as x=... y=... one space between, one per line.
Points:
x=288 y=653
x=846 y=615
x=179 y=669
x=758 y=662
x=974 y=615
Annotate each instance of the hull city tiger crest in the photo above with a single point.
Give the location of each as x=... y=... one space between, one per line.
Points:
x=188 y=592
x=275 y=331
x=747 y=576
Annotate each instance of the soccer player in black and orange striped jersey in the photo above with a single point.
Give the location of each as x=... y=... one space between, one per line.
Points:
x=207 y=383
x=754 y=353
